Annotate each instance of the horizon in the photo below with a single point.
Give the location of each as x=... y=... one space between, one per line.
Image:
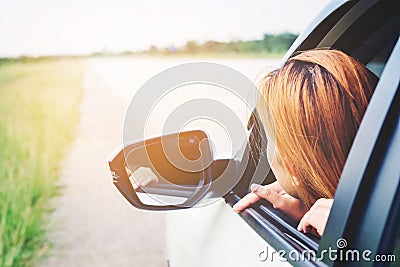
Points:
x=180 y=50
x=73 y=28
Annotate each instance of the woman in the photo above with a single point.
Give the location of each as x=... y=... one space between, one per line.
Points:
x=311 y=109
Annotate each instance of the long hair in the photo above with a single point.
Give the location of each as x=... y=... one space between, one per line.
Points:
x=312 y=107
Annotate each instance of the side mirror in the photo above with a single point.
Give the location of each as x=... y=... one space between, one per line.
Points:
x=168 y=172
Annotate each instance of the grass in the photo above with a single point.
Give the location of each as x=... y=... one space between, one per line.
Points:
x=38 y=107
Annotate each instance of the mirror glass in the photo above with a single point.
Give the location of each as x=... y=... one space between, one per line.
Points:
x=170 y=170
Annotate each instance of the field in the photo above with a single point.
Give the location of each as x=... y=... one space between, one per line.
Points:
x=39 y=111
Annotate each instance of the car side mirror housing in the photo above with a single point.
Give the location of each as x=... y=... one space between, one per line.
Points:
x=168 y=172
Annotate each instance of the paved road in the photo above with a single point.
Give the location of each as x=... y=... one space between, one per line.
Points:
x=92 y=225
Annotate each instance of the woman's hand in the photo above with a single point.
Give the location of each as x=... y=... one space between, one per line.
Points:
x=316 y=217
x=279 y=199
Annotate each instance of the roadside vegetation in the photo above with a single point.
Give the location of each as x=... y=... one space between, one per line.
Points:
x=271 y=45
x=39 y=111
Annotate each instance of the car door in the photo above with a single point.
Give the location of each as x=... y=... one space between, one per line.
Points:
x=215 y=236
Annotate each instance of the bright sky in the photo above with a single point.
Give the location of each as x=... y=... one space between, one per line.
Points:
x=48 y=27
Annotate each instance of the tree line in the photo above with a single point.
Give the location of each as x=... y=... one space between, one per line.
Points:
x=273 y=44
x=270 y=43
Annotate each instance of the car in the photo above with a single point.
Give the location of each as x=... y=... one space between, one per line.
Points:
x=363 y=226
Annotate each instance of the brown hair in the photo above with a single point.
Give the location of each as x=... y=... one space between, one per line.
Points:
x=312 y=107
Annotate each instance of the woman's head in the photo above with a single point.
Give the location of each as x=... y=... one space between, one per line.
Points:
x=311 y=108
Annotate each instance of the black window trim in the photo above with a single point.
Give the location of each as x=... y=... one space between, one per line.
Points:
x=269 y=227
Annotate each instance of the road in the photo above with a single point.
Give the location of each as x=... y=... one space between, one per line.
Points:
x=92 y=225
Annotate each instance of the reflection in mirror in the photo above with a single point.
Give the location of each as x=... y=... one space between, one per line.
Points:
x=160 y=200
x=152 y=190
x=142 y=177
x=170 y=170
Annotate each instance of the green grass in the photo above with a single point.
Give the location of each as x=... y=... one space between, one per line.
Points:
x=38 y=114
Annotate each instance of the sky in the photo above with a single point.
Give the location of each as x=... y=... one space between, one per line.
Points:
x=78 y=27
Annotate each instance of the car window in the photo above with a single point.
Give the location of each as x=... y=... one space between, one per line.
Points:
x=373 y=36
x=377 y=64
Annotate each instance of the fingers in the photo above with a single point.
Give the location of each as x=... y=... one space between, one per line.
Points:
x=316 y=217
x=275 y=186
x=323 y=202
x=268 y=193
x=273 y=193
x=246 y=201
x=312 y=220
